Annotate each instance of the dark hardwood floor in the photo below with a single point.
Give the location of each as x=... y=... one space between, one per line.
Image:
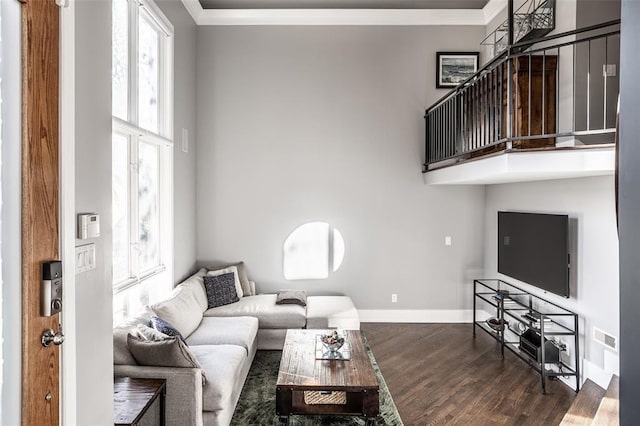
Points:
x=439 y=374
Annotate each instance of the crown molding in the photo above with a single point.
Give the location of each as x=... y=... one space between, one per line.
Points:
x=418 y=17
x=492 y=9
x=195 y=9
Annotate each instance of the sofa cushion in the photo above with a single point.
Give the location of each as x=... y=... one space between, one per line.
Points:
x=181 y=310
x=121 y=353
x=332 y=312
x=196 y=284
x=222 y=364
x=170 y=352
x=240 y=331
x=220 y=289
x=228 y=270
x=263 y=307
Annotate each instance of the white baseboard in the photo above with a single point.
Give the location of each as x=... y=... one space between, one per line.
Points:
x=416 y=315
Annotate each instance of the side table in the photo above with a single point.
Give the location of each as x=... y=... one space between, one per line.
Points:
x=133 y=399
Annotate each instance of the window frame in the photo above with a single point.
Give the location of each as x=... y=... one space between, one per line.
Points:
x=135 y=134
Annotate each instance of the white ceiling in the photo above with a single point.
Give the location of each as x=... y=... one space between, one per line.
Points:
x=343 y=4
x=344 y=12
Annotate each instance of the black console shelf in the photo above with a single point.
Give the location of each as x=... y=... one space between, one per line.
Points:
x=528 y=321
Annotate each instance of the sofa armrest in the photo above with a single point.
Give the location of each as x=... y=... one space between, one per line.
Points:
x=184 y=390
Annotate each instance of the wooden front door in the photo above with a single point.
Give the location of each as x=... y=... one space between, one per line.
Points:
x=40 y=206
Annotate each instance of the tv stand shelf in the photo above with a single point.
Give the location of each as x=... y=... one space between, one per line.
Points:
x=535 y=330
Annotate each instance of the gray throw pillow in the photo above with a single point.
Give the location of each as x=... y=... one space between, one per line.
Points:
x=292 y=297
x=221 y=290
x=170 y=352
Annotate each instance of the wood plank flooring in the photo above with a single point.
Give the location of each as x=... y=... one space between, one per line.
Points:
x=585 y=406
x=439 y=374
x=609 y=411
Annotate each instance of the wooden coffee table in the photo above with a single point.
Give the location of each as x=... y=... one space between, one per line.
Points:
x=133 y=398
x=345 y=387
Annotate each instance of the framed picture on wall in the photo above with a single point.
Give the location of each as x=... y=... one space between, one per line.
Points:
x=452 y=68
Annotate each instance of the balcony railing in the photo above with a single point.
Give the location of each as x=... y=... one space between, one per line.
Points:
x=532 y=20
x=555 y=91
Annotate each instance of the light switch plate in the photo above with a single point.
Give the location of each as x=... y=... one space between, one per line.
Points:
x=85 y=258
x=185 y=140
x=609 y=70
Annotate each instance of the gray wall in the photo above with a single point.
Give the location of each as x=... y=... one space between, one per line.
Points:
x=589 y=202
x=184 y=164
x=93 y=189
x=11 y=214
x=93 y=194
x=301 y=124
x=629 y=217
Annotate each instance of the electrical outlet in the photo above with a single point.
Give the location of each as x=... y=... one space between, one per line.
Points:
x=447 y=241
x=394 y=298
x=562 y=346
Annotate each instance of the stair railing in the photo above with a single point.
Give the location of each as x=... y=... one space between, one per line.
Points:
x=530 y=97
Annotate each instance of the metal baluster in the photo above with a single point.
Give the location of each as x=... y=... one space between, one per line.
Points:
x=437 y=119
x=544 y=90
x=509 y=102
x=606 y=79
x=573 y=93
x=557 y=90
x=589 y=86
x=529 y=96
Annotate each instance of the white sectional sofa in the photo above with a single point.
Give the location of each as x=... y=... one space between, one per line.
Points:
x=224 y=341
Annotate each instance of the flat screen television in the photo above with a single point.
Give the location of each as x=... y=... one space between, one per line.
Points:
x=534 y=248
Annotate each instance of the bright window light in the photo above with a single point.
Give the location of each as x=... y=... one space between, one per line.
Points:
x=312 y=250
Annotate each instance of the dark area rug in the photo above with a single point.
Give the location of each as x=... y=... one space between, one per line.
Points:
x=257 y=404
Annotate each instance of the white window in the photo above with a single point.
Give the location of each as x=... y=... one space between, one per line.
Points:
x=142 y=193
x=312 y=251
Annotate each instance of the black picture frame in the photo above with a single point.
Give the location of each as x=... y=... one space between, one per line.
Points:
x=452 y=68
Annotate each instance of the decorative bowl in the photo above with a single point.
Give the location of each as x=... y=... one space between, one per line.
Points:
x=333 y=341
x=497 y=324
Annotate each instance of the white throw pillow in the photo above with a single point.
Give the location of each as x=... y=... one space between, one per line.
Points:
x=236 y=278
x=150 y=333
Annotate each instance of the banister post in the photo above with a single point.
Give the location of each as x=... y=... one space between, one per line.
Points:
x=425 y=167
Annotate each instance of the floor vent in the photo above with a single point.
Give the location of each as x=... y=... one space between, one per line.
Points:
x=605 y=339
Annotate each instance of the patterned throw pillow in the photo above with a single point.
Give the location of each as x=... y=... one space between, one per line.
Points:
x=165 y=328
x=221 y=290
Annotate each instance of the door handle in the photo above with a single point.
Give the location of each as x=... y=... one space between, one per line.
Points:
x=49 y=337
